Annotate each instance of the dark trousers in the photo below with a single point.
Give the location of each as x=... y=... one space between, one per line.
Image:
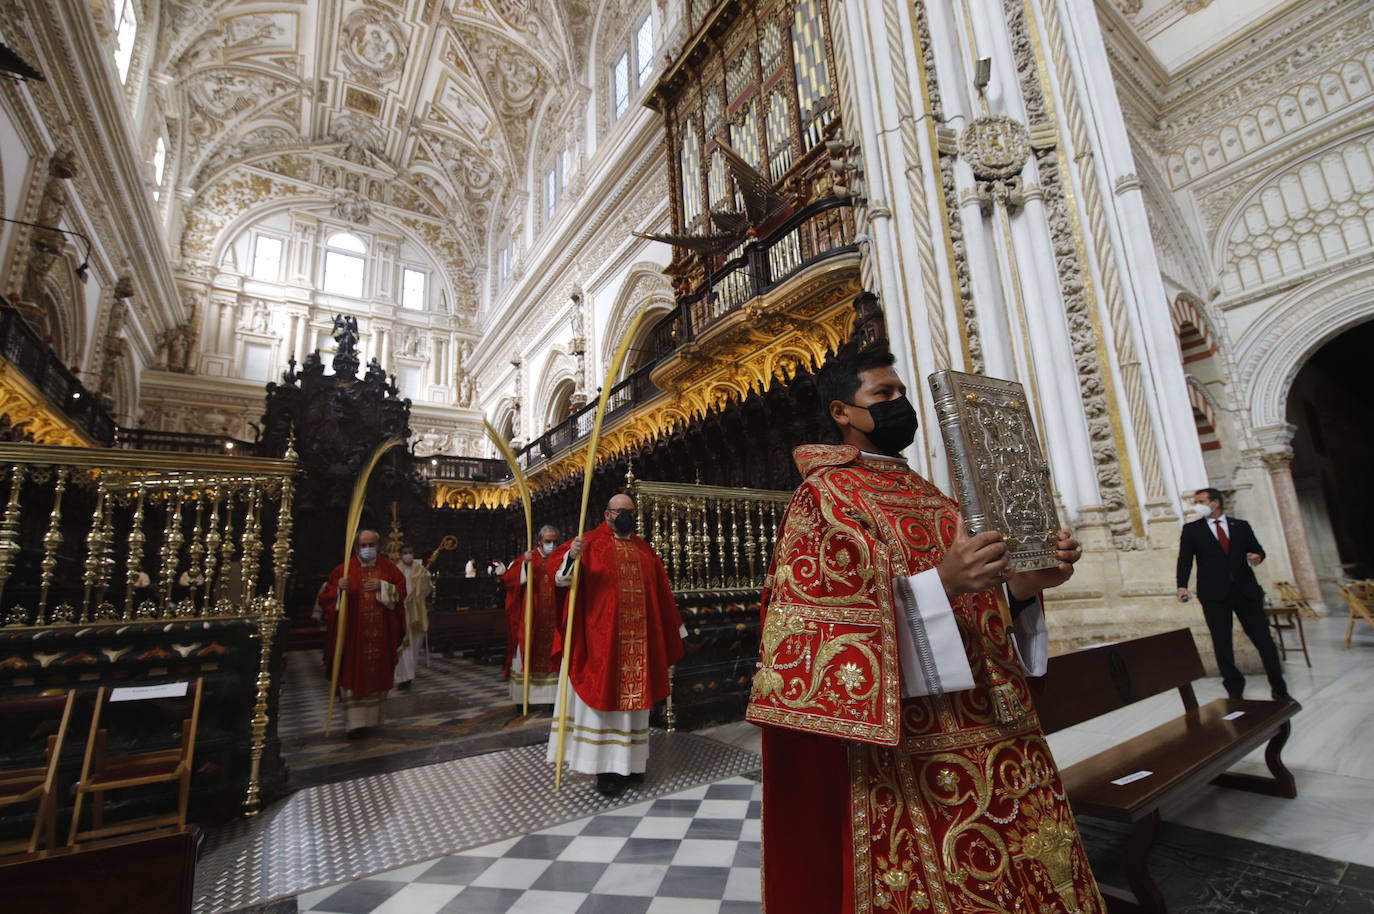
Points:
x=1250 y=612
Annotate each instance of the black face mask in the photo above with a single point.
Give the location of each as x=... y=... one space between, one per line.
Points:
x=624 y=522
x=894 y=425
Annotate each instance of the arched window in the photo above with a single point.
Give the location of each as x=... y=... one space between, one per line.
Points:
x=344 y=264
x=126 y=31
x=632 y=66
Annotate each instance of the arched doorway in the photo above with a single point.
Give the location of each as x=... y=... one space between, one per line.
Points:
x=1329 y=407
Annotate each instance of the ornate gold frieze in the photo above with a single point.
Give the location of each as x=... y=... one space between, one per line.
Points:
x=772 y=337
x=26 y=406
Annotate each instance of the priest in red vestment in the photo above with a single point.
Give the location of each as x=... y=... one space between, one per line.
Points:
x=904 y=768
x=626 y=633
x=374 y=629
x=543 y=621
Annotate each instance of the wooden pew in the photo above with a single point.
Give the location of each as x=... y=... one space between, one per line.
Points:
x=151 y=873
x=1181 y=757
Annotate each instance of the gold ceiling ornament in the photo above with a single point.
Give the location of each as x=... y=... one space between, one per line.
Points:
x=26 y=406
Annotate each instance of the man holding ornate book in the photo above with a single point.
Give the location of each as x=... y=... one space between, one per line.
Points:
x=904 y=767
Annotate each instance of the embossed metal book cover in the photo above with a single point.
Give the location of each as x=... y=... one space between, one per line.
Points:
x=1002 y=477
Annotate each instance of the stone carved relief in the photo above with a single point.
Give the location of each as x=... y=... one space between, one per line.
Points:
x=1290 y=88
x=351 y=206
x=996 y=148
x=373 y=46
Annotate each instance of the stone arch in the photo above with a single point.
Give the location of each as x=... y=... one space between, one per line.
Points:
x=60 y=310
x=645 y=280
x=557 y=377
x=1273 y=349
x=1196 y=339
x=1298 y=217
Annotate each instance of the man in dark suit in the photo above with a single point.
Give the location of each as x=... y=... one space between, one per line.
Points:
x=1227 y=551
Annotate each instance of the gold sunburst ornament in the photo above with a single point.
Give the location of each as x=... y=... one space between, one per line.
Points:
x=562 y=718
x=504 y=448
x=355 y=516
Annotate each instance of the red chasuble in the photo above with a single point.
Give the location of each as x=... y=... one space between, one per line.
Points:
x=372 y=634
x=543 y=613
x=946 y=803
x=625 y=630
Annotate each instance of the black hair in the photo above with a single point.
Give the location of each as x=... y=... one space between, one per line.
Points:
x=1214 y=495
x=839 y=378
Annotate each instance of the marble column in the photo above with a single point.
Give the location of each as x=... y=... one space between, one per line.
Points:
x=1279 y=464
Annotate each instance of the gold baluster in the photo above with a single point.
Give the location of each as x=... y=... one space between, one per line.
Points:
x=9 y=526
x=52 y=540
x=226 y=558
x=252 y=543
x=135 y=562
x=736 y=578
x=213 y=538
x=749 y=544
x=95 y=548
x=676 y=577
x=195 y=568
x=171 y=548
x=701 y=539
x=257 y=728
x=281 y=549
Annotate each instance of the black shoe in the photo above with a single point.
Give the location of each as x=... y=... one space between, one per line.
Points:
x=635 y=779
x=610 y=784
x=356 y=733
x=1284 y=696
x=404 y=687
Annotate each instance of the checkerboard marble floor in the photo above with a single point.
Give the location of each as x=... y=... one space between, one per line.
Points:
x=692 y=852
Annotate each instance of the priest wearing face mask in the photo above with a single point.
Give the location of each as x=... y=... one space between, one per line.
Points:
x=543 y=621
x=626 y=633
x=904 y=768
x=374 y=628
x=419 y=585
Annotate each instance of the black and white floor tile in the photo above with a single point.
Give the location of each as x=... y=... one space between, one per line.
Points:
x=692 y=852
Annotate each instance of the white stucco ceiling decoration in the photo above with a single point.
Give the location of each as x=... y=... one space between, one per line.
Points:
x=440 y=98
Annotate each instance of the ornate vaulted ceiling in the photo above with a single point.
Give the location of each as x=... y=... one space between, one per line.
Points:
x=422 y=110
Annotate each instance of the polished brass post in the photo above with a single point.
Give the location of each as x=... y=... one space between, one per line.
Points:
x=226 y=558
x=677 y=579
x=213 y=538
x=9 y=526
x=669 y=712
x=736 y=576
x=95 y=551
x=281 y=549
x=135 y=563
x=171 y=548
x=257 y=729
x=52 y=540
x=252 y=543
x=749 y=544
x=195 y=570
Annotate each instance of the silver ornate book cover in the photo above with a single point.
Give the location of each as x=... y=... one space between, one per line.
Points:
x=1001 y=474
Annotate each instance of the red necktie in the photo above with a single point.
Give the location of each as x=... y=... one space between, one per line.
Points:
x=1222 y=537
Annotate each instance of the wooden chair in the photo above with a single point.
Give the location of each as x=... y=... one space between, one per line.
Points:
x=102 y=772
x=1360 y=597
x=25 y=785
x=1286 y=619
x=1291 y=596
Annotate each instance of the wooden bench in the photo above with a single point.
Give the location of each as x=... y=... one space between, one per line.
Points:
x=1181 y=757
x=151 y=873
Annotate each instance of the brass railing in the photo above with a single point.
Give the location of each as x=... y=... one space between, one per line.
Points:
x=94 y=534
x=711 y=538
